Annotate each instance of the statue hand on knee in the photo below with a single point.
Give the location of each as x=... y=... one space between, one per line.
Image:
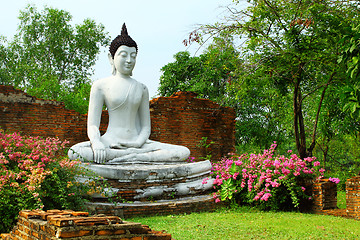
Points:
x=99 y=152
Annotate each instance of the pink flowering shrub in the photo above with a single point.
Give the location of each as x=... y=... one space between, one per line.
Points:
x=36 y=174
x=334 y=180
x=269 y=181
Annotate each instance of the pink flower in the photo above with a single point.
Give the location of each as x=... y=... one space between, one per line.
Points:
x=266 y=196
x=204 y=181
x=238 y=163
x=235 y=175
x=217 y=200
x=285 y=171
x=218 y=181
x=316 y=163
x=275 y=184
x=334 y=180
x=302 y=188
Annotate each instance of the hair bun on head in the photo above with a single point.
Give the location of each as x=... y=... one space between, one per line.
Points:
x=122 y=39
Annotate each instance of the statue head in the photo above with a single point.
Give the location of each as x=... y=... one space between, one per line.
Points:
x=122 y=39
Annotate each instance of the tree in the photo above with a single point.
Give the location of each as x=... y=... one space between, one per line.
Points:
x=291 y=51
x=51 y=59
x=209 y=75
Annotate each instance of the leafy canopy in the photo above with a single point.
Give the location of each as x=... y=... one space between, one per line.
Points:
x=52 y=59
x=209 y=75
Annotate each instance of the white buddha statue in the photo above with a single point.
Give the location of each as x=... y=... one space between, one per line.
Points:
x=127 y=101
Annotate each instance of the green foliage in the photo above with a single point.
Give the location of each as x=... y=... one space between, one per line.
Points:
x=349 y=58
x=205 y=144
x=36 y=174
x=209 y=75
x=51 y=59
x=351 y=50
x=351 y=95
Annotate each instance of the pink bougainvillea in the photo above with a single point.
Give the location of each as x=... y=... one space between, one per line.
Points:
x=260 y=174
x=25 y=161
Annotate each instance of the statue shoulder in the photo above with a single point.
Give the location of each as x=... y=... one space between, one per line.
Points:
x=144 y=87
x=99 y=84
x=141 y=86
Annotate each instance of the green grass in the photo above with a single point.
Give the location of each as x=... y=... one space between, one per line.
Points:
x=248 y=223
x=341 y=199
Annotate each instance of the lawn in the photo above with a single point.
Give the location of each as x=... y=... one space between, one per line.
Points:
x=249 y=223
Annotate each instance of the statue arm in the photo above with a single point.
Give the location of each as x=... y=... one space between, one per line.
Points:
x=94 y=117
x=144 y=115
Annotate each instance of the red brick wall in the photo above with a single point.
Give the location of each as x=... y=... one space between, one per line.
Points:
x=37 y=117
x=180 y=119
x=184 y=119
x=353 y=197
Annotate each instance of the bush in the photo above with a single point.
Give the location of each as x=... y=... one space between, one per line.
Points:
x=36 y=174
x=264 y=180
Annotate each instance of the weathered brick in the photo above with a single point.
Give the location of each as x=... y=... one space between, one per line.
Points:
x=73 y=234
x=80 y=214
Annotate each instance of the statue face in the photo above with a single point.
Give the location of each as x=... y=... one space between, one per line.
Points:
x=125 y=59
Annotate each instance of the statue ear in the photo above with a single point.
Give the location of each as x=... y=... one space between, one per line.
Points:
x=111 y=60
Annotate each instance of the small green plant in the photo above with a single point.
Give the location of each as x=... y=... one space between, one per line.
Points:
x=150 y=198
x=204 y=143
x=118 y=199
x=172 y=195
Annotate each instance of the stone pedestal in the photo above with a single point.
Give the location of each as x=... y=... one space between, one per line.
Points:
x=159 y=207
x=148 y=182
x=149 y=189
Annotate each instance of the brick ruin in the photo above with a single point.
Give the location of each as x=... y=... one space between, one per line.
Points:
x=353 y=197
x=324 y=195
x=68 y=224
x=181 y=119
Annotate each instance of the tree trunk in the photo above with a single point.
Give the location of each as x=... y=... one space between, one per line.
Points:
x=299 y=127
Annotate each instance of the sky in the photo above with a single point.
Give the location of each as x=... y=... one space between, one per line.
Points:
x=157 y=26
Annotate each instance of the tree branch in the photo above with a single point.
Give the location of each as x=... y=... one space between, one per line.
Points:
x=277 y=15
x=311 y=148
